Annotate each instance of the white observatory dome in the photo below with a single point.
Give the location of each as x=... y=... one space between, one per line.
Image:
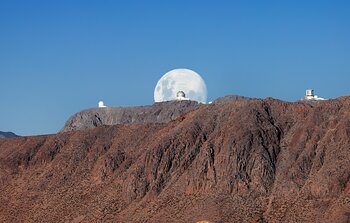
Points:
x=309 y=95
x=180 y=95
x=101 y=104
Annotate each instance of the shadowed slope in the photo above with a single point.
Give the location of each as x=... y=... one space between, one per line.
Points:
x=7 y=135
x=162 y=112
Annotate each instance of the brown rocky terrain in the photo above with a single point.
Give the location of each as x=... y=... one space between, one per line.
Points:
x=236 y=160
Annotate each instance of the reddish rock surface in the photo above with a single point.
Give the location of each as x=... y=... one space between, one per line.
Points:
x=236 y=160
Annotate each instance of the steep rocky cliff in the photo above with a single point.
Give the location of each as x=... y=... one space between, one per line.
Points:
x=236 y=160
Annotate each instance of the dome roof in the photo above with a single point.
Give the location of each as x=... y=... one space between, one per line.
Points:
x=180 y=94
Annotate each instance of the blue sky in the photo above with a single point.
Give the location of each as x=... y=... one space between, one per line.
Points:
x=59 y=57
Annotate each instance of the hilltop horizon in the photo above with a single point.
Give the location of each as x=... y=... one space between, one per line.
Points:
x=96 y=108
x=58 y=57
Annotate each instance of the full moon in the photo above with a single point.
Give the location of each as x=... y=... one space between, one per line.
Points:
x=184 y=80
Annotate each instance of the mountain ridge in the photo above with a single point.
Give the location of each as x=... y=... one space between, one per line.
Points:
x=161 y=112
x=236 y=160
x=7 y=135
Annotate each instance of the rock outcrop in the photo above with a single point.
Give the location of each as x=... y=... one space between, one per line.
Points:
x=162 y=112
x=236 y=160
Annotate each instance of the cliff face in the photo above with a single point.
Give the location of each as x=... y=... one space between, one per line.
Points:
x=157 y=113
x=236 y=160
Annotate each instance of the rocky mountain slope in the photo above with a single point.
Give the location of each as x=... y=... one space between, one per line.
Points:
x=236 y=160
x=7 y=135
x=157 y=113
